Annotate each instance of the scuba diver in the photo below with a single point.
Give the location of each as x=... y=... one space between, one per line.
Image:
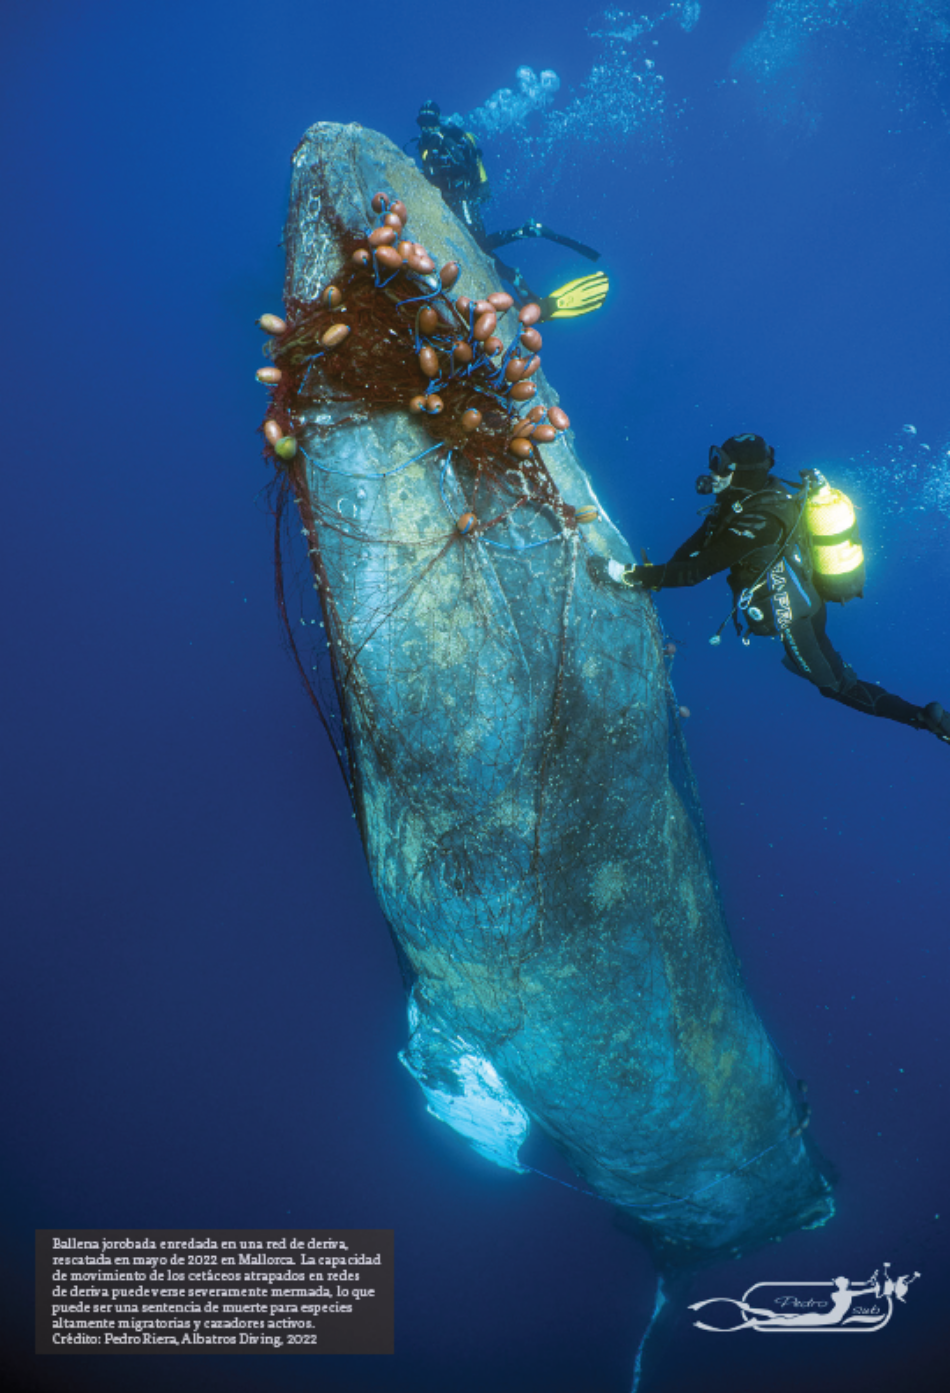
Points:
x=452 y=161
x=786 y=556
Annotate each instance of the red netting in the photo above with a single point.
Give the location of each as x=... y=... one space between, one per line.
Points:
x=376 y=369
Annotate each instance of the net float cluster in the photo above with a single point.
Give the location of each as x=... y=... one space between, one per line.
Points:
x=470 y=391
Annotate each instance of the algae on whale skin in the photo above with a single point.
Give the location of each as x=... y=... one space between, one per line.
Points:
x=524 y=796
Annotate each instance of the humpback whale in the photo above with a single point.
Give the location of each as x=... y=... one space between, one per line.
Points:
x=507 y=730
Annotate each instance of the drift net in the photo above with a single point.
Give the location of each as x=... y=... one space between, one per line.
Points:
x=510 y=741
x=386 y=336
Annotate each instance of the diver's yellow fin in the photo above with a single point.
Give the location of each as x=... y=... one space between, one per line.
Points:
x=581 y=296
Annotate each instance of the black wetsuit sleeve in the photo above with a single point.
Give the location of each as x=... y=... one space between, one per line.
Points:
x=693 y=562
x=502 y=239
x=692 y=544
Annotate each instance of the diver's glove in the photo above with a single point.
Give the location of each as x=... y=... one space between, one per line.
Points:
x=605 y=571
x=936 y=720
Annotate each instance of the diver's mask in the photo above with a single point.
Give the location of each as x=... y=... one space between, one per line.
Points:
x=721 y=469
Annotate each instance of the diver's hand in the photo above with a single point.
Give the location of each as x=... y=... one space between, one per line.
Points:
x=623 y=575
x=605 y=571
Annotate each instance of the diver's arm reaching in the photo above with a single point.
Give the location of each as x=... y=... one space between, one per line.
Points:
x=754 y=530
x=695 y=560
x=533 y=228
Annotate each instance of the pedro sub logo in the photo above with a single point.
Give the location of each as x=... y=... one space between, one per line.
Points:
x=837 y=1306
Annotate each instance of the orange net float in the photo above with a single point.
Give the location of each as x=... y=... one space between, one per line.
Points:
x=382 y=237
x=524 y=428
x=466 y=523
x=429 y=361
x=485 y=325
x=335 y=335
x=272 y=324
x=421 y=261
x=282 y=443
x=500 y=300
x=587 y=515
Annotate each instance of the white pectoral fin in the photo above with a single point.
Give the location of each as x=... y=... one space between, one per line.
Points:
x=464 y=1090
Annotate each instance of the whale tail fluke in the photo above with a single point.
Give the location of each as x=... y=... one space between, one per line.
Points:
x=672 y=1289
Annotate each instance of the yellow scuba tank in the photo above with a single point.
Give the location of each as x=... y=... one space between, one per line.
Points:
x=836 y=554
x=483 y=190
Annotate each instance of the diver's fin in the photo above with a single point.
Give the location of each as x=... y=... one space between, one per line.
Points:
x=579 y=247
x=580 y=296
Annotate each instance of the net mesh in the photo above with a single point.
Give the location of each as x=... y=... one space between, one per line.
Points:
x=510 y=741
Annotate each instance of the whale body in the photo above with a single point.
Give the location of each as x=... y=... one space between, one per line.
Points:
x=515 y=759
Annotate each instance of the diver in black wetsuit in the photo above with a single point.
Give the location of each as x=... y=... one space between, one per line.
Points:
x=452 y=161
x=754 y=530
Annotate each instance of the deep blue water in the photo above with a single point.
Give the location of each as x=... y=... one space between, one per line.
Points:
x=201 y=1007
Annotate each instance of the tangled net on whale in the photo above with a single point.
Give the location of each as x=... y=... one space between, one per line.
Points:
x=512 y=729
x=386 y=334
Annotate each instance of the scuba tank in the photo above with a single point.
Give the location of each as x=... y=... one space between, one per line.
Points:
x=818 y=558
x=483 y=189
x=831 y=528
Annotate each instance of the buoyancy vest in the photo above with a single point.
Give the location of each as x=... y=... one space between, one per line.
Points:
x=452 y=161
x=817 y=557
x=773 y=583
